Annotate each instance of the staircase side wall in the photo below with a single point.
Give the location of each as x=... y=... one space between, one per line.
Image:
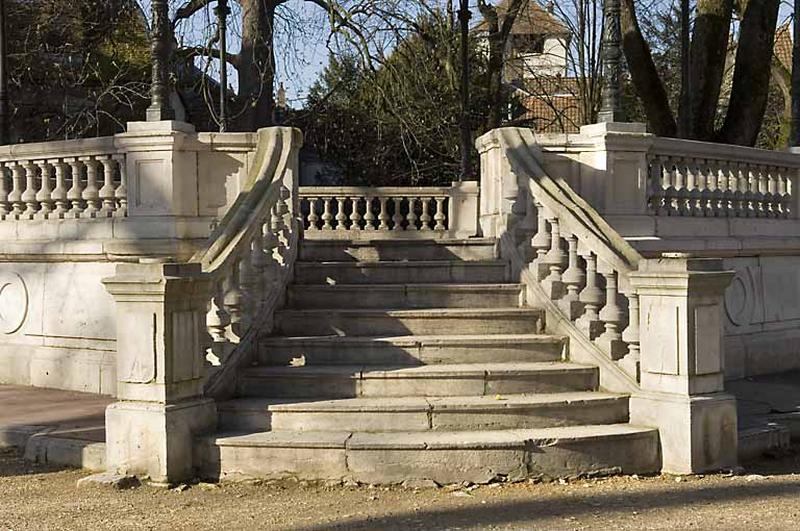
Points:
x=57 y=326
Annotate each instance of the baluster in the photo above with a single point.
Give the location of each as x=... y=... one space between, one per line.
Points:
x=555 y=258
x=770 y=189
x=383 y=216
x=412 y=215
x=730 y=193
x=283 y=210
x=681 y=188
x=611 y=315
x=707 y=193
x=656 y=186
x=591 y=297
x=355 y=215
x=398 y=217
x=741 y=200
x=369 y=215
x=258 y=264
x=341 y=215
x=425 y=218
x=327 y=216
x=752 y=193
x=439 y=217
x=45 y=194
x=218 y=319
x=5 y=205
x=760 y=198
x=248 y=283
x=29 y=195
x=694 y=183
x=631 y=336
x=75 y=193
x=59 y=193
x=91 y=193
x=573 y=278
x=107 y=193
x=121 y=193
x=787 y=195
x=540 y=243
x=717 y=196
x=313 y=218
x=670 y=188
x=15 y=197
x=232 y=300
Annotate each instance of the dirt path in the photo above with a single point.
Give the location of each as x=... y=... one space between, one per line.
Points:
x=767 y=497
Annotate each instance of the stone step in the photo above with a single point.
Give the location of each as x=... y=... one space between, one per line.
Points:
x=376 y=250
x=399 y=272
x=374 y=322
x=478 y=379
x=454 y=413
x=444 y=457
x=406 y=296
x=412 y=350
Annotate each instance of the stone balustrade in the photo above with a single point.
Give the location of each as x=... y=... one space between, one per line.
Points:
x=63 y=180
x=184 y=329
x=654 y=326
x=389 y=212
x=700 y=179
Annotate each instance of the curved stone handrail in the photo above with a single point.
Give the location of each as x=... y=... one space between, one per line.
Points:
x=576 y=265
x=250 y=256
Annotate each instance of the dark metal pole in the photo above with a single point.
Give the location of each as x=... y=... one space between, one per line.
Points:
x=160 y=48
x=222 y=16
x=611 y=108
x=685 y=77
x=795 y=139
x=4 y=125
x=464 y=16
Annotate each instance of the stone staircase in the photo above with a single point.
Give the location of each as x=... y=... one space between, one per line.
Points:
x=418 y=360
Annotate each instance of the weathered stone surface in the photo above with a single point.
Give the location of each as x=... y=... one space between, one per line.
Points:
x=107 y=479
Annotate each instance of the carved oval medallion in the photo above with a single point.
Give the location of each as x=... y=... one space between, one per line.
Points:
x=13 y=302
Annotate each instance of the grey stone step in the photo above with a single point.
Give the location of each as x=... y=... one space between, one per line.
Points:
x=444 y=457
x=412 y=350
x=375 y=250
x=406 y=296
x=455 y=413
x=373 y=322
x=428 y=381
x=400 y=272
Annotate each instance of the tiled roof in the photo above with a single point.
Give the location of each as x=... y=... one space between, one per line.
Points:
x=783 y=46
x=533 y=19
x=550 y=105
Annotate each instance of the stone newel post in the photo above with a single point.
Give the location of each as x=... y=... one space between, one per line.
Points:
x=161 y=311
x=682 y=363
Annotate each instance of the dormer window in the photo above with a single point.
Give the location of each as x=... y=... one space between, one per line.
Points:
x=528 y=44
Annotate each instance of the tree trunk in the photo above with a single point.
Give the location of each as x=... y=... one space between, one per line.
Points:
x=751 y=78
x=644 y=75
x=707 y=65
x=257 y=64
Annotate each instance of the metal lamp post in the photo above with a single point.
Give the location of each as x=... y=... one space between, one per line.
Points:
x=611 y=108
x=160 y=47
x=464 y=16
x=222 y=16
x=795 y=134
x=4 y=125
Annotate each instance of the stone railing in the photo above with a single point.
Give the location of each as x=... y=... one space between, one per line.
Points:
x=249 y=259
x=79 y=179
x=173 y=318
x=390 y=212
x=652 y=325
x=701 y=179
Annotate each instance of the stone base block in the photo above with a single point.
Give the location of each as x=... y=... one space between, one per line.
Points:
x=698 y=433
x=156 y=440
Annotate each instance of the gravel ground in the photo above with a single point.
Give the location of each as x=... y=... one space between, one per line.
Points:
x=766 y=496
